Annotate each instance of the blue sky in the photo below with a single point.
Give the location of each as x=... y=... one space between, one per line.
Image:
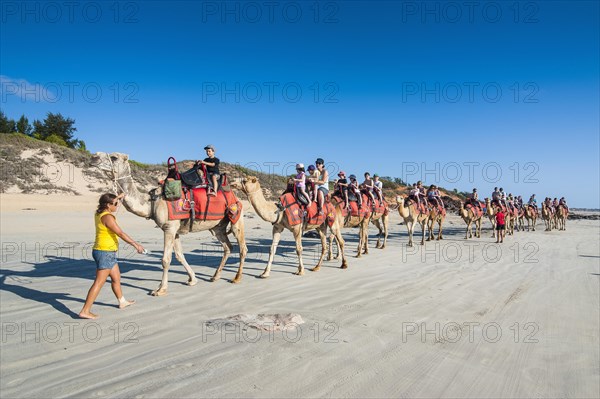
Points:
x=508 y=91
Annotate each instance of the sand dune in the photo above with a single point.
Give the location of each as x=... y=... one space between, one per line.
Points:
x=460 y=319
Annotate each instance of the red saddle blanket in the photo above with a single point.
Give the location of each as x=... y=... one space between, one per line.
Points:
x=441 y=210
x=381 y=207
x=420 y=206
x=364 y=211
x=295 y=212
x=476 y=210
x=205 y=207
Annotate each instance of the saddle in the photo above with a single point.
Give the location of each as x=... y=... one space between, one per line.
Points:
x=355 y=211
x=420 y=206
x=475 y=209
x=297 y=214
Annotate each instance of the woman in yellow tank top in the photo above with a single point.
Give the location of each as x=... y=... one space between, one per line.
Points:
x=105 y=253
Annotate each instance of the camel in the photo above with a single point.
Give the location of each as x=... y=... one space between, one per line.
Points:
x=521 y=219
x=470 y=217
x=435 y=216
x=382 y=222
x=530 y=214
x=412 y=217
x=548 y=217
x=116 y=167
x=351 y=222
x=270 y=212
x=490 y=211
x=512 y=217
x=561 y=217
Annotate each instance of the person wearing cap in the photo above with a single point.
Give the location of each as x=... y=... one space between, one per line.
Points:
x=212 y=168
x=300 y=181
x=378 y=187
x=356 y=190
x=532 y=201
x=322 y=184
x=341 y=187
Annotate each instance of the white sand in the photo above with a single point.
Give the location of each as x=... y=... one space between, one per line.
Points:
x=359 y=336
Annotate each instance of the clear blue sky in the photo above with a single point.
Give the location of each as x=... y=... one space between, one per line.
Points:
x=394 y=88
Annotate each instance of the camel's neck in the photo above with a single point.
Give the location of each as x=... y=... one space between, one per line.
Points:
x=404 y=212
x=134 y=202
x=265 y=209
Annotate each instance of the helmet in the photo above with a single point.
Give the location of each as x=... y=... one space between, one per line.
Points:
x=352 y=177
x=375 y=175
x=320 y=161
x=311 y=168
x=299 y=166
x=474 y=190
x=342 y=173
x=501 y=189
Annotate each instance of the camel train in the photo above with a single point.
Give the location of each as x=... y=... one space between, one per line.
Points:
x=222 y=214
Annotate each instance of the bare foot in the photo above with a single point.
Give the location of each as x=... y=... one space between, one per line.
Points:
x=127 y=303
x=88 y=315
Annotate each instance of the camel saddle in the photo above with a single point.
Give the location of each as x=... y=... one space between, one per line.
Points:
x=196 y=204
x=475 y=209
x=420 y=206
x=297 y=214
x=355 y=211
x=381 y=207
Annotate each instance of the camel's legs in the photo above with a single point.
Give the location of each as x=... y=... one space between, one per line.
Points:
x=337 y=234
x=298 y=238
x=169 y=243
x=440 y=224
x=411 y=228
x=385 y=224
x=181 y=258
x=423 y=228
x=221 y=235
x=277 y=230
x=323 y=235
x=238 y=232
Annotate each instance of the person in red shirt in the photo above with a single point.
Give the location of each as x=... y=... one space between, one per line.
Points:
x=500 y=225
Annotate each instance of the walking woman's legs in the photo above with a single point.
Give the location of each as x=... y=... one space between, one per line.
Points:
x=101 y=276
x=115 y=278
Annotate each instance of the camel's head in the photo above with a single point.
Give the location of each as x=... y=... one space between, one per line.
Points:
x=487 y=201
x=400 y=200
x=247 y=184
x=114 y=165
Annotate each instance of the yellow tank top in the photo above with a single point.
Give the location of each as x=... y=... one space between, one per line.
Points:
x=106 y=239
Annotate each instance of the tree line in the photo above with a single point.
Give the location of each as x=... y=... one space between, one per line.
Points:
x=54 y=129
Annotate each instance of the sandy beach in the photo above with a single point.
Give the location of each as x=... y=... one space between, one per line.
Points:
x=455 y=318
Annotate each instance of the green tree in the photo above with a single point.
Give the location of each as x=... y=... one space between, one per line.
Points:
x=58 y=125
x=23 y=126
x=7 y=125
x=39 y=130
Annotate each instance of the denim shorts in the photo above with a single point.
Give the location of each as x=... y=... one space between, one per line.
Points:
x=104 y=259
x=324 y=191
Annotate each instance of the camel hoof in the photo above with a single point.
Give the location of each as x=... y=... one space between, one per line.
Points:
x=315 y=269
x=299 y=273
x=193 y=282
x=264 y=276
x=236 y=280
x=344 y=265
x=215 y=278
x=160 y=292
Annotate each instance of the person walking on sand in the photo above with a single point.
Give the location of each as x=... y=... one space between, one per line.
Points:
x=500 y=225
x=105 y=253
